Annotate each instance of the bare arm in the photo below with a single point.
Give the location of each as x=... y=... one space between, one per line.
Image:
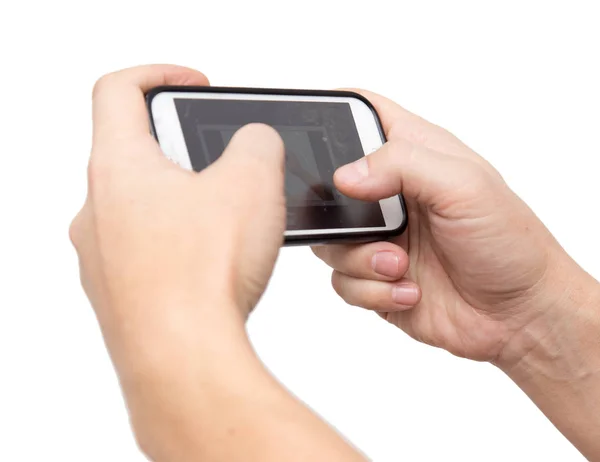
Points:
x=214 y=401
x=556 y=359
x=173 y=262
x=477 y=273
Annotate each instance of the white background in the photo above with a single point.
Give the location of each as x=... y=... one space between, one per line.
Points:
x=517 y=81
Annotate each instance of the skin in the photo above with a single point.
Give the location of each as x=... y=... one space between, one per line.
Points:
x=174 y=261
x=477 y=273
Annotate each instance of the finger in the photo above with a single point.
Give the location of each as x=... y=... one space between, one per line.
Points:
x=400 y=122
x=382 y=261
x=376 y=295
x=119 y=108
x=251 y=174
x=247 y=181
x=389 y=112
x=402 y=167
x=254 y=159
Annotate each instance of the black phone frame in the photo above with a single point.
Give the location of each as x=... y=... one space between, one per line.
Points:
x=309 y=239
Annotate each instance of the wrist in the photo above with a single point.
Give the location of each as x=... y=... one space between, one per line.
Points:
x=152 y=329
x=555 y=358
x=559 y=341
x=175 y=411
x=175 y=359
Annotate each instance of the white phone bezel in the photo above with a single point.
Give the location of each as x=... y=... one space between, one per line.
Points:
x=170 y=137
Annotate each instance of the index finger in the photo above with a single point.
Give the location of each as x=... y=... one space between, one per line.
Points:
x=118 y=104
x=408 y=125
x=389 y=111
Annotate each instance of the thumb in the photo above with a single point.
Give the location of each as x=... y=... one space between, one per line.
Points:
x=400 y=167
x=250 y=175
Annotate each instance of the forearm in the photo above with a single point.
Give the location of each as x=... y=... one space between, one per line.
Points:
x=212 y=400
x=558 y=363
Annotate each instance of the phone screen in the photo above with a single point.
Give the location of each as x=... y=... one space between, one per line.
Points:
x=319 y=137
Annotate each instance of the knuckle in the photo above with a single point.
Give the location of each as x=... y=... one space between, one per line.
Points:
x=380 y=302
x=413 y=129
x=102 y=83
x=417 y=134
x=474 y=182
x=422 y=132
x=401 y=147
x=476 y=176
x=342 y=287
x=361 y=91
x=489 y=168
x=337 y=285
x=75 y=230
x=338 y=257
x=319 y=251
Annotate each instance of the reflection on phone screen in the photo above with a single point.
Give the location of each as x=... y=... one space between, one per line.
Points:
x=319 y=137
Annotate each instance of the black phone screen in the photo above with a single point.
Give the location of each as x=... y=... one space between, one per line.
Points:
x=319 y=137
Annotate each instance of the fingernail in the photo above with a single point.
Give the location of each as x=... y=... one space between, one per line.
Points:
x=386 y=264
x=405 y=294
x=353 y=173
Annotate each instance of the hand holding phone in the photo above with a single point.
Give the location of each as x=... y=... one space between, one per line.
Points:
x=173 y=262
x=170 y=272
x=321 y=130
x=476 y=266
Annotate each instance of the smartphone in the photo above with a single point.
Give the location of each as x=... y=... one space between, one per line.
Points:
x=321 y=131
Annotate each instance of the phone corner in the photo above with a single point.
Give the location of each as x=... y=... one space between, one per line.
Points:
x=154 y=92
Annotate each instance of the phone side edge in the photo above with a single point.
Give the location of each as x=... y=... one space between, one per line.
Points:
x=404 y=223
x=315 y=238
